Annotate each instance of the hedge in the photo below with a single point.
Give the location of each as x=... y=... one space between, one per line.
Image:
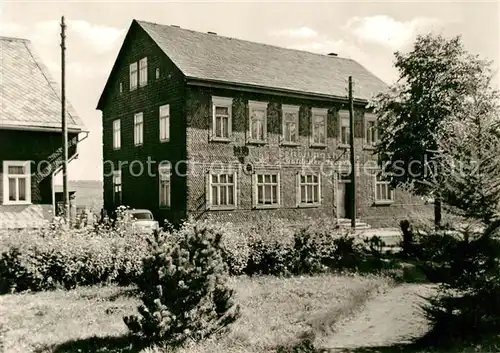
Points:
x=272 y=247
x=57 y=258
x=39 y=261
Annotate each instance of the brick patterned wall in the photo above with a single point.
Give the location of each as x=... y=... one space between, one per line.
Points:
x=43 y=149
x=142 y=191
x=203 y=153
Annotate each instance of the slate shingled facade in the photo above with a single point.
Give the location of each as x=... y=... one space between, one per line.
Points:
x=30 y=136
x=236 y=150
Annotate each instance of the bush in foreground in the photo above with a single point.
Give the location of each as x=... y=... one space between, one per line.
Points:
x=184 y=290
x=53 y=259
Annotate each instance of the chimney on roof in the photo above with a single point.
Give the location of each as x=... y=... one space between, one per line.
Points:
x=175 y=26
x=333 y=54
x=212 y=33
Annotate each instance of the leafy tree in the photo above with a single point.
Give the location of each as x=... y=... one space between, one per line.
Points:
x=466 y=261
x=433 y=80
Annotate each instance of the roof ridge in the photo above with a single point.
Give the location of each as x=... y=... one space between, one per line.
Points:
x=16 y=39
x=248 y=41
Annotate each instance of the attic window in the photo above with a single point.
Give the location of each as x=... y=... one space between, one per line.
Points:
x=133 y=76
x=121 y=87
x=157 y=73
x=143 y=72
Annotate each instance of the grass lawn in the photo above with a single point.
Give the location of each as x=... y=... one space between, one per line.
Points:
x=274 y=312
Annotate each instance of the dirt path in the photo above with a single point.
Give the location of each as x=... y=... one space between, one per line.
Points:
x=391 y=317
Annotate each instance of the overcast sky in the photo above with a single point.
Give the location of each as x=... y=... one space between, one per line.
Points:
x=369 y=32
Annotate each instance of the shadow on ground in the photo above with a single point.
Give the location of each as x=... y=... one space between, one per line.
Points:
x=383 y=349
x=120 y=344
x=487 y=345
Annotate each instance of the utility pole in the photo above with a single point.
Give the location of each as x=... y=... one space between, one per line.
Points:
x=67 y=217
x=353 y=167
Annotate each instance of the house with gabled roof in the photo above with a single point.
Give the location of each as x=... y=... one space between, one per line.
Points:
x=31 y=139
x=211 y=126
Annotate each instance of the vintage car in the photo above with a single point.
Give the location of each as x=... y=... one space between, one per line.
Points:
x=142 y=221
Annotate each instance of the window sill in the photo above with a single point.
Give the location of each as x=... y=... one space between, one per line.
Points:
x=17 y=203
x=138 y=145
x=165 y=140
x=133 y=88
x=308 y=205
x=317 y=145
x=369 y=148
x=165 y=207
x=256 y=142
x=221 y=208
x=220 y=139
x=116 y=148
x=265 y=207
x=383 y=203
x=290 y=144
x=344 y=146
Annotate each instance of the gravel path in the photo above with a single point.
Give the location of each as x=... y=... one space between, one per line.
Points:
x=391 y=317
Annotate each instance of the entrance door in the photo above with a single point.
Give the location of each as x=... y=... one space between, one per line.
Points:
x=343 y=196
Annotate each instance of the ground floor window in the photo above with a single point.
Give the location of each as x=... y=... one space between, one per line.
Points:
x=165 y=174
x=117 y=188
x=384 y=193
x=17 y=182
x=308 y=189
x=221 y=190
x=266 y=189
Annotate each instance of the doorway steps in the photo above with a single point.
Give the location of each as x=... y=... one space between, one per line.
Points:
x=346 y=223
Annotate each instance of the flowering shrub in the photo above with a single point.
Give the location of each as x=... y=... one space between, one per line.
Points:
x=271 y=248
x=235 y=247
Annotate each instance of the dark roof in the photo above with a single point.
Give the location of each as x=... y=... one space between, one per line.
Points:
x=30 y=99
x=213 y=57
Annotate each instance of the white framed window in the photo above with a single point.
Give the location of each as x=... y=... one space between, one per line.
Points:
x=116 y=134
x=133 y=76
x=164 y=122
x=384 y=193
x=371 y=130
x=16 y=182
x=117 y=188
x=344 y=130
x=222 y=118
x=308 y=189
x=165 y=173
x=143 y=72
x=157 y=73
x=257 y=124
x=121 y=87
x=318 y=126
x=266 y=190
x=222 y=189
x=138 y=128
x=290 y=123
